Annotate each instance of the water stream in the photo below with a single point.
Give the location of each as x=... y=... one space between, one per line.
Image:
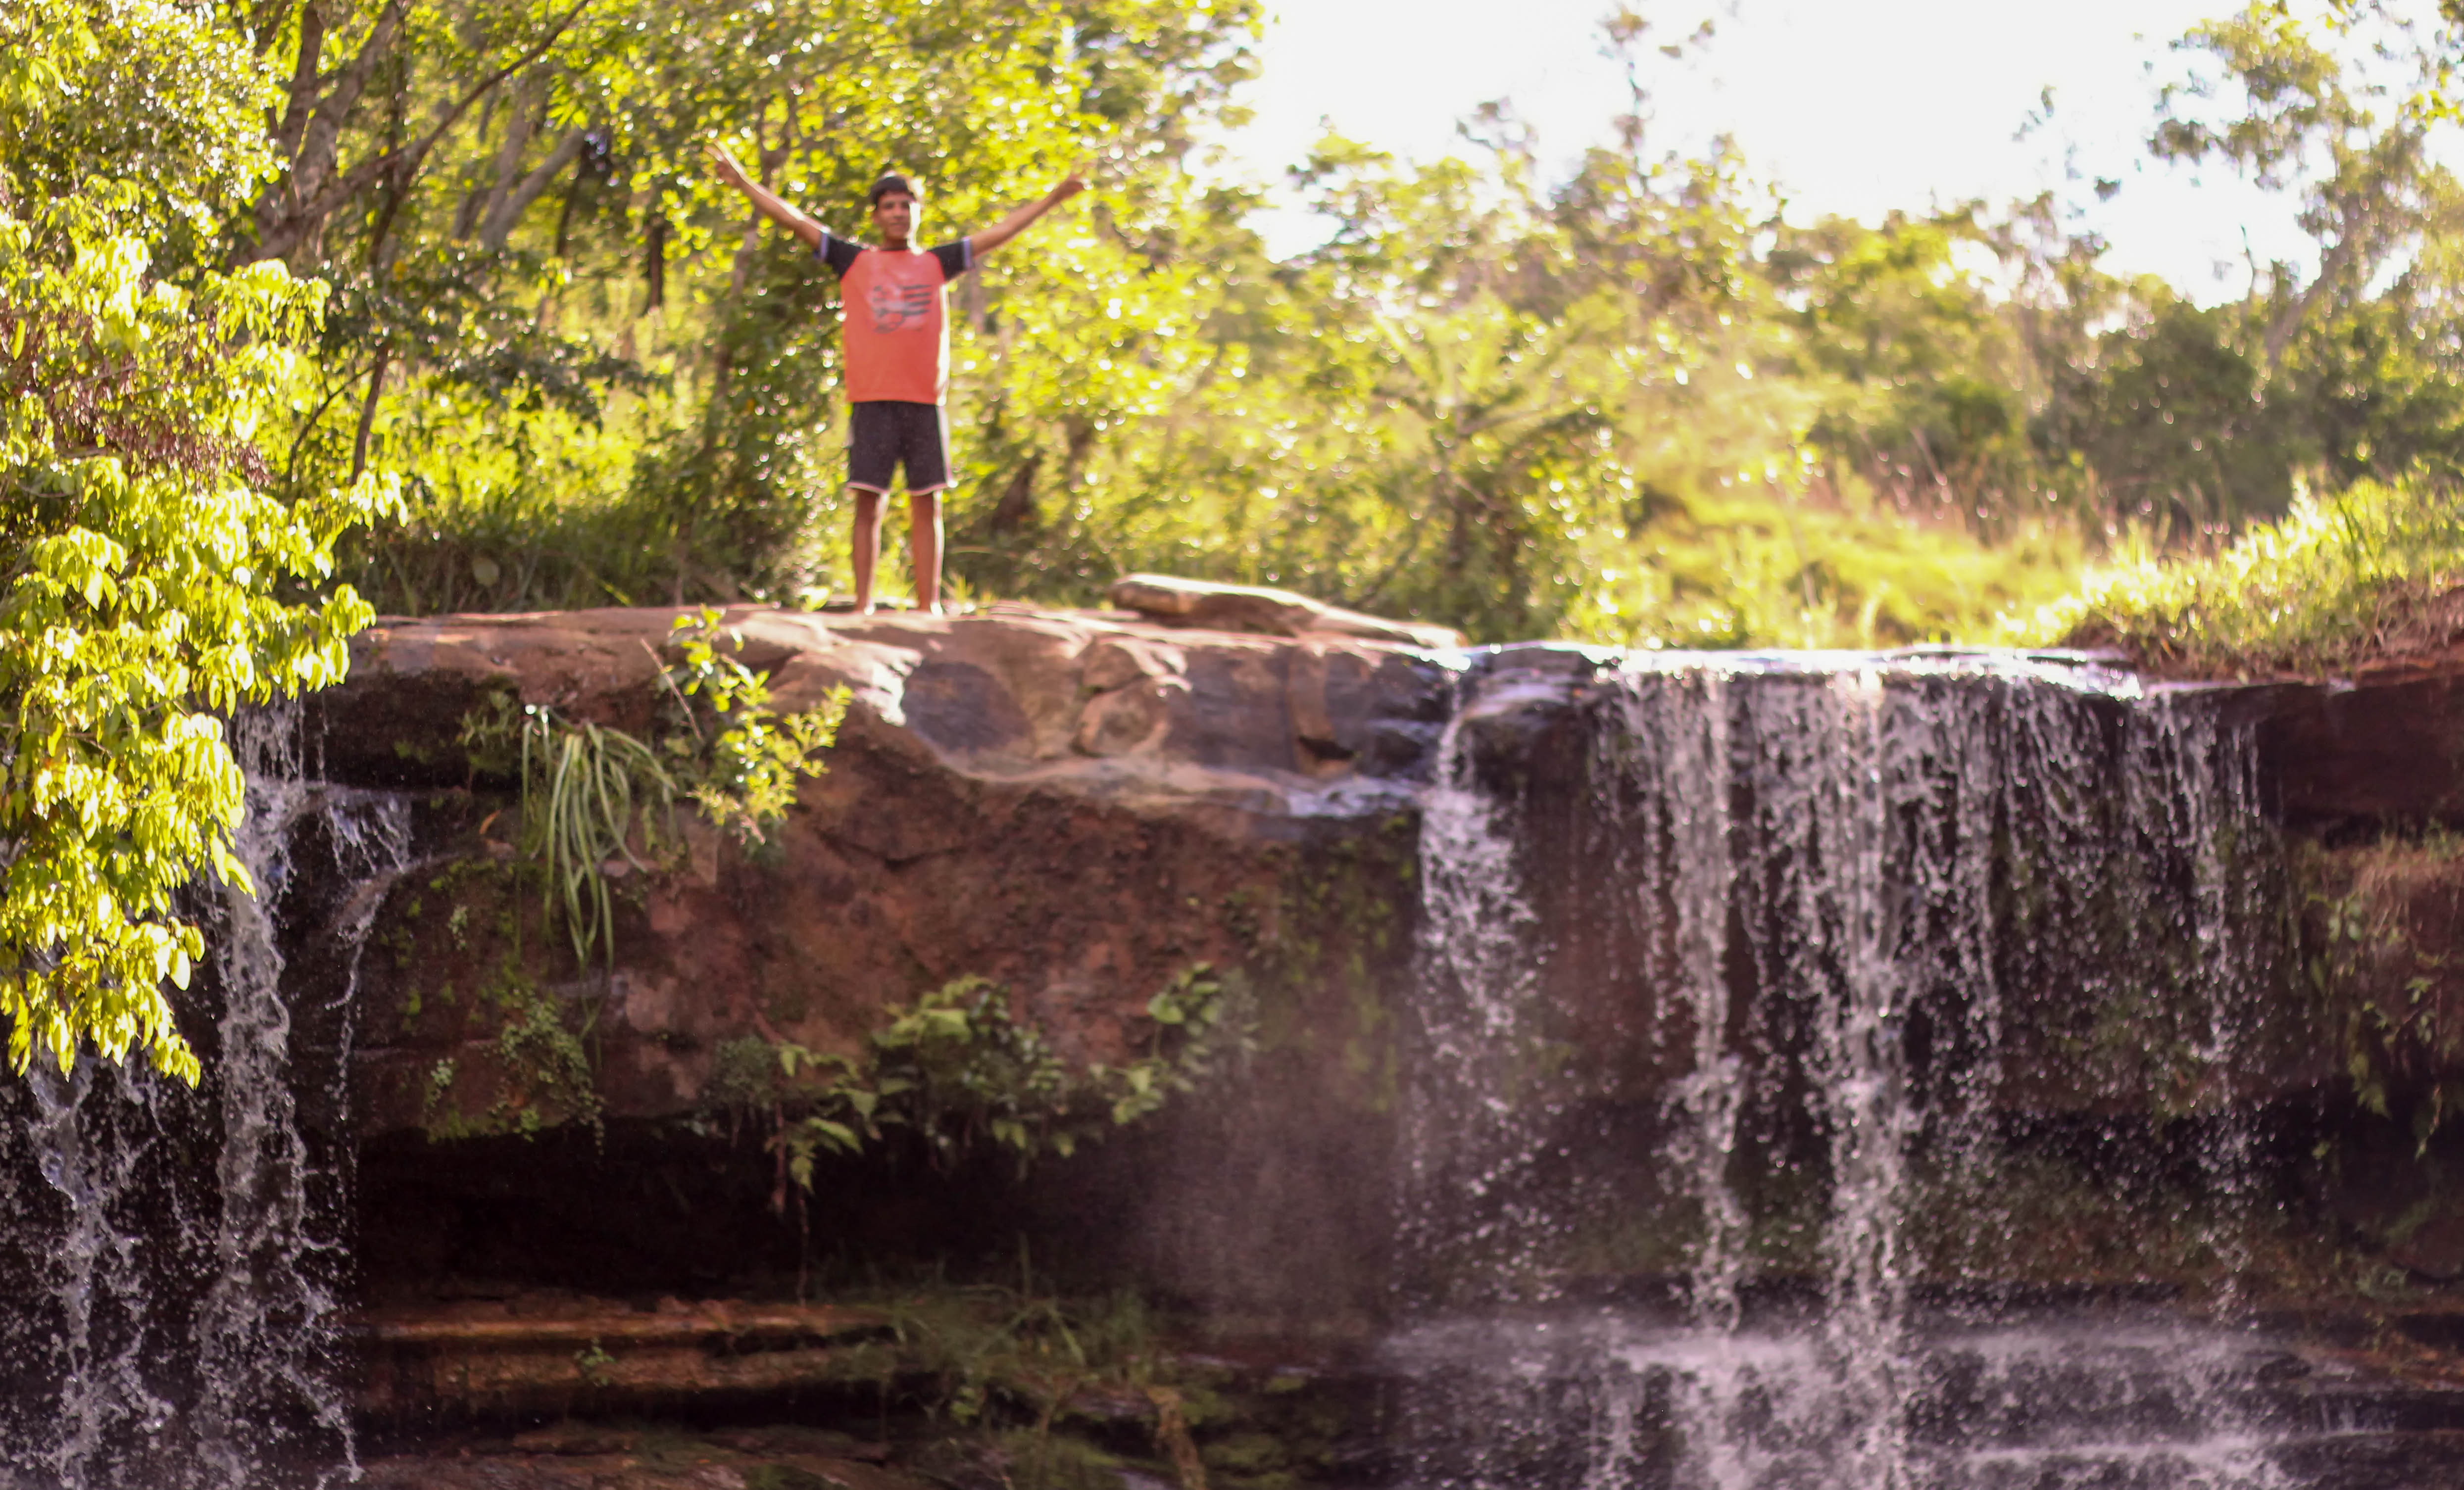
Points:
x=1715 y=1030
x=173 y=1256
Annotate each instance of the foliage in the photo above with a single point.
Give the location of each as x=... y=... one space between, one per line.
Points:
x=148 y=581
x=142 y=91
x=542 y=1068
x=1642 y=407
x=595 y=797
x=589 y=794
x=958 y=1071
x=2400 y=1037
x=745 y=767
x=1061 y=1386
x=2339 y=580
x=985 y=1348
x=1635 y=404
x=599 y=376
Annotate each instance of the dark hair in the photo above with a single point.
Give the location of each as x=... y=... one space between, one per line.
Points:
x=890 y=182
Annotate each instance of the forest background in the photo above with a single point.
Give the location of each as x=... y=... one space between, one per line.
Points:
x=1631 y=405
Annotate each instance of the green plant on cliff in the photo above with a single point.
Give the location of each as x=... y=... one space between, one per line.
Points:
x=2339 y=580
x=1069 y=1392
x=2400 y=1041
x=590 y=793
x=595 y=797
x=148 y=583
x=541 y=1067
x=960 y=1071
x=745 y=766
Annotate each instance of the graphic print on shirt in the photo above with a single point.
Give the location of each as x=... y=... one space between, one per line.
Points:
x=894 y=304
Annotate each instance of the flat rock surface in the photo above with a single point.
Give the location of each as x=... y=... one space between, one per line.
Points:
x=1098 y=704
x=584 y=1455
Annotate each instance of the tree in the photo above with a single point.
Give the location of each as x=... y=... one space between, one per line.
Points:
x=601 y=378
x=148 y=583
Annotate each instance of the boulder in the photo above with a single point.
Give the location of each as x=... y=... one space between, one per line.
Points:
x=1076 y=806
x=1167 y=601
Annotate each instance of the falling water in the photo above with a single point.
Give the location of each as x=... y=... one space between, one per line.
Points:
x=174 y=1255
x=1473 y=1150
x=1853 y=901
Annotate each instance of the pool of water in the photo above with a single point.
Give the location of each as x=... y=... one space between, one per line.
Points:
x=1615 y=1400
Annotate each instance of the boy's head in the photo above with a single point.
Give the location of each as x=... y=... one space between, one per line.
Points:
x=895 y=209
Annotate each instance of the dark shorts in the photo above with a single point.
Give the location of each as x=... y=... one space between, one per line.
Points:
x=884 y=435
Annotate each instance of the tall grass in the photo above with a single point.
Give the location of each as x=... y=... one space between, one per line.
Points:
x=2374 y=572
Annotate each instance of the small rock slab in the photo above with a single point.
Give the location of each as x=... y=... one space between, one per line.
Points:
x=559 y=1355
x=1173 y=602
x=585 y=1455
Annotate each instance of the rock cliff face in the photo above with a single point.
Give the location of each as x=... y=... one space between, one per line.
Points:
x=1076 y=806
x=1081 y=806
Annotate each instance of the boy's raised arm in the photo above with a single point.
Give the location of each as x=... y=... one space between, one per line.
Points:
x=1010 y=227
x=724 y=166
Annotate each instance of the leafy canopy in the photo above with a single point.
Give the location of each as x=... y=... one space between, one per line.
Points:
x=148 y=583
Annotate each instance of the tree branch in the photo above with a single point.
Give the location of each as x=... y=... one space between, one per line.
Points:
x=309 y=147
x=522 y=120
x=509 y=211
x=282 y=238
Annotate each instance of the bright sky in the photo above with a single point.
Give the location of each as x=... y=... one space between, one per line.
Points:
x=1852 y=107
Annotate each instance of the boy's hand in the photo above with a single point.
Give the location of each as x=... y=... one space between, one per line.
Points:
x=724 y=165
x=1070 y=185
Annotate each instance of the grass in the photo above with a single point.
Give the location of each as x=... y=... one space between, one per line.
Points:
x=1760 y=570
x=2375 y=573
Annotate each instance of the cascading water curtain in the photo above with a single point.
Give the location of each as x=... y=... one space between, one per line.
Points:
x=1848 y=915
x=1471 y=1226
x=170 y=1319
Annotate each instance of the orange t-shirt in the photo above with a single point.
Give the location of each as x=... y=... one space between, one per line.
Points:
x=892 y=306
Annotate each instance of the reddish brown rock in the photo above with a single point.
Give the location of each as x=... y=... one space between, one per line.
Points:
x=557 y=1354
x=1077 y=807
x=1167 y=601
x=2382 y=746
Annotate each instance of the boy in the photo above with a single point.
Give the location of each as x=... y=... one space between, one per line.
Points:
x=893 y=306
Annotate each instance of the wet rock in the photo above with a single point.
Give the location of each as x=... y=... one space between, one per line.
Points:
x=2377 y=1460
x=2376 y=748
x=587 y=1456
x=1080 y=805
x=1072 y=806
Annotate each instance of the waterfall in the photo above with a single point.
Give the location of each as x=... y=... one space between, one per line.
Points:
x=1471 y=1152
x=1734 y=970
x=173 y=1258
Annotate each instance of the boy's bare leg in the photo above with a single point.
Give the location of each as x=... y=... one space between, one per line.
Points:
x=866 y=547
x=924 y=536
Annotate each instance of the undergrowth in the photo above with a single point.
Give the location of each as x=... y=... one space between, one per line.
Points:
x=2374 y=572
x=960 y=1071
x=1084 y=1393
